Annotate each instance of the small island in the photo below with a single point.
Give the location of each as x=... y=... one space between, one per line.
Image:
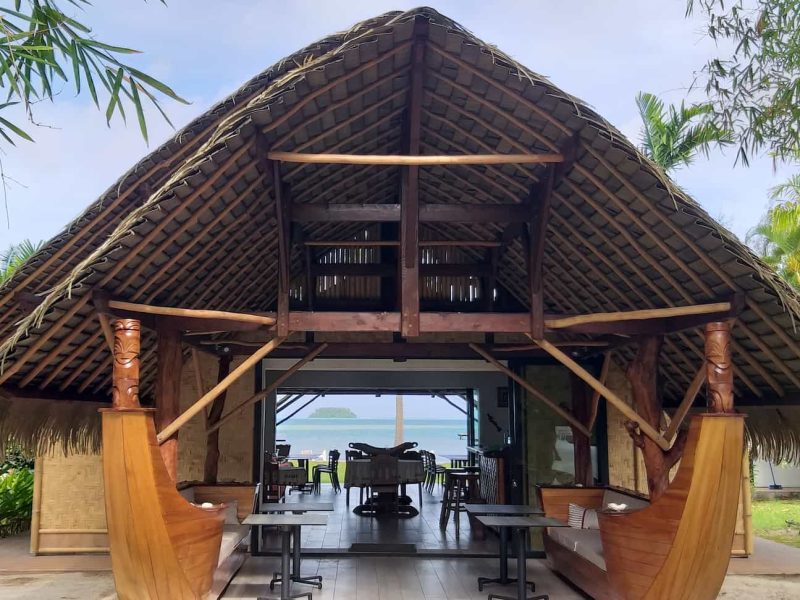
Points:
x=332 y=412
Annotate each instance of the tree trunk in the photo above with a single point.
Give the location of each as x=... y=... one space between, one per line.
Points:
x=581 y=400
x=211 y=467
x=643 y=376
x=168 y=388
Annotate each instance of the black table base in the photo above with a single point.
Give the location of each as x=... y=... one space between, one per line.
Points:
x=294 y=576
x=504 y=579
x=387 y=504
x=286 y=584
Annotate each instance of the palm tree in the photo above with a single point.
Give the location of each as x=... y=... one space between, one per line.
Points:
x=672 y=137
x=777 y=237
x=15 y=256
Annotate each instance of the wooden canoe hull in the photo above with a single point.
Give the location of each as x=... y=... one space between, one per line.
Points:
x=679 y=546
x=162 y=547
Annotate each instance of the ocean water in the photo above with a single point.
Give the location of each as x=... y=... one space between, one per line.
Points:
x=314 y=436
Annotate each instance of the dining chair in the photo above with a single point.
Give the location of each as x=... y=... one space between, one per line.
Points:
x=331 y=469
x=348 y=456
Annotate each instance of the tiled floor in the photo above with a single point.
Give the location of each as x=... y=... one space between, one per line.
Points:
x=345 y=528
x=388 y=578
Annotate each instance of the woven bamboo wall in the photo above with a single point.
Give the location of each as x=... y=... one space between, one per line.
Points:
x=71 y=502
x=236 y=436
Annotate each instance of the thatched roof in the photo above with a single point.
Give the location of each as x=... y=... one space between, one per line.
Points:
x=193 y=223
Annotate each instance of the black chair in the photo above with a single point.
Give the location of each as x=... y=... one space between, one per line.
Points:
x=331 y=469
x=283 y=450
x=348 y=456
x=435 y=473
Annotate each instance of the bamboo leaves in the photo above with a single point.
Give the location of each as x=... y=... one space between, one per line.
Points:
x=41 y=46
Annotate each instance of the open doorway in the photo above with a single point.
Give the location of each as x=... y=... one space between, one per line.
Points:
x=453 y=413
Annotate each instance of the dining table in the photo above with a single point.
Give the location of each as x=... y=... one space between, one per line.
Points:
x=479 y=509
x=289 y=524
x=519 y=524
x=358 y=473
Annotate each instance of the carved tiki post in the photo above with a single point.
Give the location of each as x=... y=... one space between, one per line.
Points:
x=125 y=382
x=719 y=367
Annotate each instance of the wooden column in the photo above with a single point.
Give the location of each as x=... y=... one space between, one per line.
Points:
x=537 y=235
x=168 y=388
x=284 y=248
x=125 y=377
x=582 y=445
x=211 y=467
x=719 y=367
x=409 y=210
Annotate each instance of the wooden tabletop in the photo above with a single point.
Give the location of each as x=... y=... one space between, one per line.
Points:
x=279 y=507
x=518 y=522
x=287 y=519
x=502 y=509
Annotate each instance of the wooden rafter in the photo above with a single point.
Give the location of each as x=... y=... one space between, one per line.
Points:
x=686 y=404
x=428 y=213
x=610 y=396
x=260 y=395
x=191 y=318
x=397 y=160
x=533 y=391
x=281 y=191
x=214 y=392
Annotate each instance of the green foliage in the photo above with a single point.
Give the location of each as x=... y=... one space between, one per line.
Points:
x=332 y=412
x=672 y=137
x=754 y=89
x=777 y=520
x=777 y=237
x=15 y=256
x=15 y=459
x=16 y=501
x=41 y=46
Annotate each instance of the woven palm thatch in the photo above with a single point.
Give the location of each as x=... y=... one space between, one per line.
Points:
x=193 y=223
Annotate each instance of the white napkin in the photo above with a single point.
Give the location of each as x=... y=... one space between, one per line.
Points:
x=615 y=506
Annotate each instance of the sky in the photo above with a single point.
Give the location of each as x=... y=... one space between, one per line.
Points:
x=602 y=51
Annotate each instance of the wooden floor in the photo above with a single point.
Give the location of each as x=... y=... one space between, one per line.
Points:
x=345 y=528
x=388 y=578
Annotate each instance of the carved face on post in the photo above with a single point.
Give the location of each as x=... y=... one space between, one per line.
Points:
x=125 y=391
x=719 y=367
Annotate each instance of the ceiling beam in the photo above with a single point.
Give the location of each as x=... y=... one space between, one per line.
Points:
x=389 y=270
x=428 y=213
x=399 y=160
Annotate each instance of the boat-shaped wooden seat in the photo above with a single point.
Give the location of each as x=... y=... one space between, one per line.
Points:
x=162 y=547
x=679 y=546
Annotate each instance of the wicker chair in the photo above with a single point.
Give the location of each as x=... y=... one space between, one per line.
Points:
x=331 y=469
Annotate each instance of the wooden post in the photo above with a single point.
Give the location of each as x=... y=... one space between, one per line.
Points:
x=125 y=377
x=719 y=367
x=537 y=235
x=211 y=467
x=284 y=249
x=168 y=389
x=409 y=210
x=582 y=445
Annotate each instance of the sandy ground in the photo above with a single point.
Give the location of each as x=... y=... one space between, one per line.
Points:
x=763 y=587
x=100 y=586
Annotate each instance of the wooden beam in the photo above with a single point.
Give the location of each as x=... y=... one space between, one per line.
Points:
x=596 y=394
x=120 y=306
x=431 y=322
x=388 y=270
x=270 y=388
x=169 y=364
x=569 y=418
x=428 y=213
x=211 y=466
x=397 y=160
x=395 y=243
x=637 y=315
x=108 y=333
x=537 y=237
x=223 y=385
x=284 y=248
x=409 y=209
x=610 y=396
x=686 y=404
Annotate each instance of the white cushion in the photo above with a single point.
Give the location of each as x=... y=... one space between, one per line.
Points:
x=615 y=497
x=582 y=518
x=583 y=542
